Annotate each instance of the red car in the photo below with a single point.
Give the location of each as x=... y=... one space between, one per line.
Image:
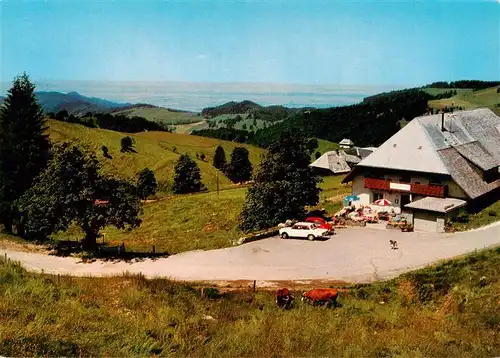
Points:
x=322 y=223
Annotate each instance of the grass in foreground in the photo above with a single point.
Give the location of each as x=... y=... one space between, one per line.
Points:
x=446 y=311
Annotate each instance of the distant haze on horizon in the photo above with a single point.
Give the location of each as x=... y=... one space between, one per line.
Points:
x=336 y=43
x=198 y=95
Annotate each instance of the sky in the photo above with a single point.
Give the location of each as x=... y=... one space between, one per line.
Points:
x=269 y=41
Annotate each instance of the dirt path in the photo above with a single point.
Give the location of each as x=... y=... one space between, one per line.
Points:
x=353 y=255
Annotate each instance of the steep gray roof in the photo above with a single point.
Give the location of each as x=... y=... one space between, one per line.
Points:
x=346 y=141
x=334 y=161
x=465 y=175
x=361 y=153
x=409 y=149
x=468 y=145
x=478 y=155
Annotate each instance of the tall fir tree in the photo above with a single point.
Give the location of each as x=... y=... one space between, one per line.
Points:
x=240 y=167
x=283 y=186
x=219 y=158
x=187 y=177
x=24 y=148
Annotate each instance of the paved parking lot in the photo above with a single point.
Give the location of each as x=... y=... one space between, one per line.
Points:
x=354 y=254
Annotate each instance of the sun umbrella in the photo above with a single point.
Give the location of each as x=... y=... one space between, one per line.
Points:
x=352 y=197
x=382 y=202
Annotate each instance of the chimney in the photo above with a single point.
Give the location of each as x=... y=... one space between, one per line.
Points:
x=442 y=122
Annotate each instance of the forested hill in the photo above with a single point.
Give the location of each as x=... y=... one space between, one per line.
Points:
x=469 y=84
x=75 y=103
x=368 y=123
x=230 y=108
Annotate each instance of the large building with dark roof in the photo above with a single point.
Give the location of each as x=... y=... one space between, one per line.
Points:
x=452 y=155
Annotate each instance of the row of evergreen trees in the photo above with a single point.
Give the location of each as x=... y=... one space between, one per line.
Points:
x=114 y=122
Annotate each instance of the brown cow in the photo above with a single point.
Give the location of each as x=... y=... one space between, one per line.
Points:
x=321 y=295
x=284 y=298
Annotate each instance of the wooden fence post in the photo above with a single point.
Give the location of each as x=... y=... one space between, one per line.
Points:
x=254 y=284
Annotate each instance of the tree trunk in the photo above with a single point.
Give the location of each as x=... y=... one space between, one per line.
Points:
x=20 y=230
x=7 y=224
x=90 y=239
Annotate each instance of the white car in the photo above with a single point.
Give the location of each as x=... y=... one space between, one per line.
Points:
x=310 y=231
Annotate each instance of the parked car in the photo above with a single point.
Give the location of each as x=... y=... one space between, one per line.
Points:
x=322 y=223
x=307 y=230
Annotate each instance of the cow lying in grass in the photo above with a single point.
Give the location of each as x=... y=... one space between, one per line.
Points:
x=324 y=296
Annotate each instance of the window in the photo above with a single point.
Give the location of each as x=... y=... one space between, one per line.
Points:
x=405 y=179
x=377 y=196
x=433 y=180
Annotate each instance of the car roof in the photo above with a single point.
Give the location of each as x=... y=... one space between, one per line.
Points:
x=303 y=223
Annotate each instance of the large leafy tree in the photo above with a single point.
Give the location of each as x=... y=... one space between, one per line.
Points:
x=24 y=147
x=187 y=177
x=283 y=186
x=72 y=189
x=219 y=161
x=240 y=167
x=146 y=183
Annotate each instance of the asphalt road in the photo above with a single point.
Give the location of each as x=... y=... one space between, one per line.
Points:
x=353 y=255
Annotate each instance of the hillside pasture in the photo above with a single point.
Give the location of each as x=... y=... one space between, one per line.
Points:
x=158 y=151
x=469 y=99
x=162 y=115
x=203 y=221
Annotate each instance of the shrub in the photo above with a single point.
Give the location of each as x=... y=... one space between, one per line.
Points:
x=127 y=144
x=146 y=183
x=463 y=217
x=211 y=293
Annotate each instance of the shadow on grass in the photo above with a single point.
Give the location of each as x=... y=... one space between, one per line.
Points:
x=102 y=252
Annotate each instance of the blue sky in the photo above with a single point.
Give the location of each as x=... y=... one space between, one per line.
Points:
x=308 y=42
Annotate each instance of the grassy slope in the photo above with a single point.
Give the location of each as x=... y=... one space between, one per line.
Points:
x=175 y=223
x=326 y=146
x=470 y=100
x=485 y=217
x=162 y=115
x=443 y=311
x=154 y=150
x=220 y=123
x=197 y=221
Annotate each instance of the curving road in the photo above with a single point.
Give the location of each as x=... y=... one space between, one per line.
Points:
x=353 y=255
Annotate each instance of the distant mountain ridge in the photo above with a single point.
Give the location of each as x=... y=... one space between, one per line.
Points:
x=74 y=103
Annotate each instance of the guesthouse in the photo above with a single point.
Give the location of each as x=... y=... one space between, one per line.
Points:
x=431 y=161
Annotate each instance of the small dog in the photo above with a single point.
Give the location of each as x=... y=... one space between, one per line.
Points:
x=394 y=244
